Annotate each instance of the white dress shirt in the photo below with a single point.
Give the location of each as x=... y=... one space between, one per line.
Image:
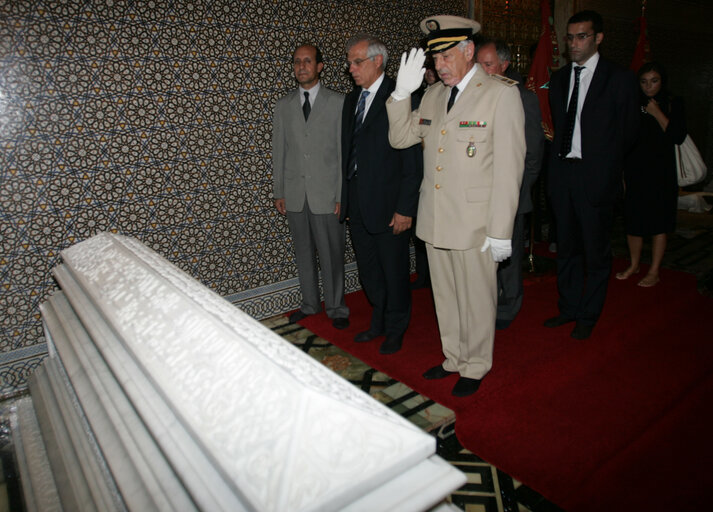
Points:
x=372 y=93
x=463 y=83
x=312 y=94
x=585 y=78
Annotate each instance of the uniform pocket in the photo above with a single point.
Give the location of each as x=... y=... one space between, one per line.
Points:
x=472 y=134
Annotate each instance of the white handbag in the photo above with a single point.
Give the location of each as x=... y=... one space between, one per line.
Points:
x=690 y=167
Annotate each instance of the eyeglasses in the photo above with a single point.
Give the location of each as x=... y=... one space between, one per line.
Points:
x=356 y=62
x=579 y=37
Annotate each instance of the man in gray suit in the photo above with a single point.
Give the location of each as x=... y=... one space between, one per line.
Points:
x=307 y=183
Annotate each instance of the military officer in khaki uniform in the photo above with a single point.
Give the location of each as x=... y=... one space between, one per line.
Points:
x=472 y=128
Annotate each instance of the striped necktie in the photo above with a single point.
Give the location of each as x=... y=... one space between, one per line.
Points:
x=359 y=119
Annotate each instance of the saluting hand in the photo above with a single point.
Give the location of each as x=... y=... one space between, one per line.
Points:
x=410 y=74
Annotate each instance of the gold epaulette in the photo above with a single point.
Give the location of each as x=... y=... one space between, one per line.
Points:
x=507 y=81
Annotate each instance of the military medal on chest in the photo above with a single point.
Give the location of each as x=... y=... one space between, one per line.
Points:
x=470 y=150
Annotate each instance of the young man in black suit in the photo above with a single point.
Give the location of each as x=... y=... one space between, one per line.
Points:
x=594 y=111
x=379 y=194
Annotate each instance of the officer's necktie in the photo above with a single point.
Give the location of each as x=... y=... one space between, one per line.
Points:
x=452 y=99
x=306 y=109
x=359 y=119
x=571 y=114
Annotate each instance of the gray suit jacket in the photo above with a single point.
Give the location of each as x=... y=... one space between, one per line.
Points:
x=306 y=156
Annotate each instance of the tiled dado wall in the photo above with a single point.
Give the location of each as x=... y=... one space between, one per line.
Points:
x=152 y=118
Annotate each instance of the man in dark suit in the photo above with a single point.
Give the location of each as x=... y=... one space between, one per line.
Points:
x=594 y=111
x=494 y=56
x=379 y=194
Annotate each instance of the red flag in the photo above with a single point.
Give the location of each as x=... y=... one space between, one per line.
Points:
x=546 y=58
x=642 y=51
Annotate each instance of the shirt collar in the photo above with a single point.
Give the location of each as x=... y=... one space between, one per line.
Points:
x=312 y=92
x=590 y=63
x=375 y=86
x=464 y=81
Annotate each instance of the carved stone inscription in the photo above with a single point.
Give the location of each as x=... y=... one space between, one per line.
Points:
x=289 y=432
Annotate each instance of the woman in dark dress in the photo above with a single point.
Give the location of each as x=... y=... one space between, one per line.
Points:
x=651 y=188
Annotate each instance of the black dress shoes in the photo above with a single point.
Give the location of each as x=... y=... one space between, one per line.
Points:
x=557 y=321
x=391 y=345
x=582 y=331
x=465 y=386
x=365 y=336
x=297 y=316
x=340 y=323
x=437 y=372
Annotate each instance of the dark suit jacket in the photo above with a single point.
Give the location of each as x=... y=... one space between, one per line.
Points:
x=388 y=178
x=609 y=122
x=534 y=141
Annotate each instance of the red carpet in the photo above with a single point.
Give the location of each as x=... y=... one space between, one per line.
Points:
x=621 y=421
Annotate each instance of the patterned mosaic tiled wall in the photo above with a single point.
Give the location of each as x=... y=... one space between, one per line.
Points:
x=152 y=118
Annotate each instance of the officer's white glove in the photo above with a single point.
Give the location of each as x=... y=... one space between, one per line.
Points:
x=500 y=249
x=410 y=74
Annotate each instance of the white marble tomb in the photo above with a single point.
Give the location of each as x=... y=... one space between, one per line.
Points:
x=160 y=395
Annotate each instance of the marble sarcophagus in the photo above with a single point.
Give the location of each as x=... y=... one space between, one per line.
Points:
x=160 y=395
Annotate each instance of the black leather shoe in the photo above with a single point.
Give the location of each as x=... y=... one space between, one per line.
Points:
x=437 y=372
x=365 y=336
x=391 y=345
x=340 y=323
x=558 y=320
x=297 y=316
x=465 y=386
x=582 y=331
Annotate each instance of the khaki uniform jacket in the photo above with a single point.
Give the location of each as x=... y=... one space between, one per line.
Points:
x=465 y=198
x=306 y=156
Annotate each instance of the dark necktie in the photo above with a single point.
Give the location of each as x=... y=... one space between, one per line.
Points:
x=358 y=120
x=571 y=114
x=452 y=99
x=306 y=109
